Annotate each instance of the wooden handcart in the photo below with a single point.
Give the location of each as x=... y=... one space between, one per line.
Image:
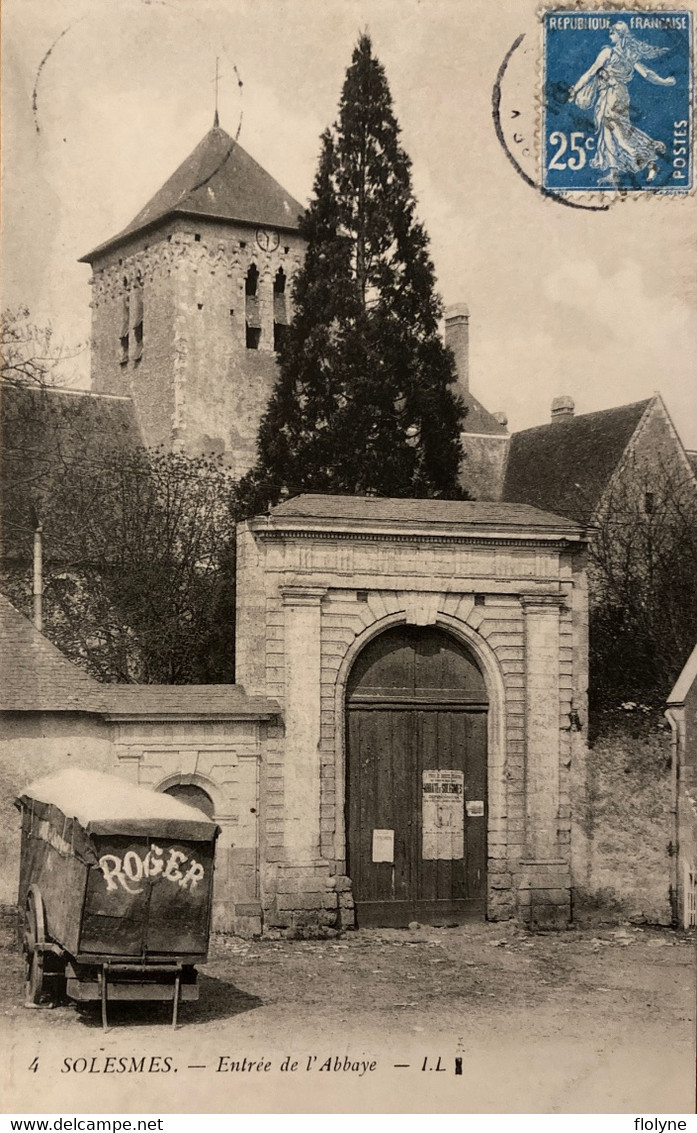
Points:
x=116 y=888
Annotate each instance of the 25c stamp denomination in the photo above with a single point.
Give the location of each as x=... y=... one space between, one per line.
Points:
x=617 y=101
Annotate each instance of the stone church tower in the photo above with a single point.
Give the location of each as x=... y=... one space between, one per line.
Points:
x=190 y=302
x=191 y=299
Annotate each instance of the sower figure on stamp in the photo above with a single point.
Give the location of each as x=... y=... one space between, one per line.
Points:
x=620 y=146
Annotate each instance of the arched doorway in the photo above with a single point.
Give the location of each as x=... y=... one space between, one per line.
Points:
x=192 y=795
x=416 y=791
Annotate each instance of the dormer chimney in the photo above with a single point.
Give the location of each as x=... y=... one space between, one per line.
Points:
x=563 y=408
x=457 y=337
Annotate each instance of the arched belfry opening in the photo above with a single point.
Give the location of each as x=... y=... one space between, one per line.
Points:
x=280 y=309
x=416 y=789
x=252 y=309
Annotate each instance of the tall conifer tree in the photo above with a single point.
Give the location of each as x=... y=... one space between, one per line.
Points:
x=364 y=402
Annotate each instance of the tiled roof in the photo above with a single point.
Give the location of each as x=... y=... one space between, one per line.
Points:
x=564 y=467
x=43 y=431
x=186 y=700
x=35 y=676
x=218 y=180
x=480 y=420
x=447 y=512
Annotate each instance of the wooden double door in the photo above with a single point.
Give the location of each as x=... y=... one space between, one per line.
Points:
x=416 y=780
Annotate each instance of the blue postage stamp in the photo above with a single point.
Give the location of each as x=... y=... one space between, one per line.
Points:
x=617 y=105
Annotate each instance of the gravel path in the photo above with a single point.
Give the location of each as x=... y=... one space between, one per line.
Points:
x=579 y=1021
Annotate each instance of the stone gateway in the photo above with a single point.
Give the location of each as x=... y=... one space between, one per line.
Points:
x=429 y=658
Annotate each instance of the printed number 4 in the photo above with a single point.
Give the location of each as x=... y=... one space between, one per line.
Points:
x=34 y=1065
x=560 y=139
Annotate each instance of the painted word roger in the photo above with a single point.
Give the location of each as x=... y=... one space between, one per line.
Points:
x=128 y=871
x=617 y=101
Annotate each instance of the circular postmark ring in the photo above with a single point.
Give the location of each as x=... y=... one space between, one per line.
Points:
x=498 y=127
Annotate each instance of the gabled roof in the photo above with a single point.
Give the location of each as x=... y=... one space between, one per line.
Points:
x=565 y=467
x=220 y=181
x=447 y=513
x=35 y=676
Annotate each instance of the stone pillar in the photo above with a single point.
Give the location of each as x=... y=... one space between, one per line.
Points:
x=545 y=881
x=541 y=723
x=302 y=721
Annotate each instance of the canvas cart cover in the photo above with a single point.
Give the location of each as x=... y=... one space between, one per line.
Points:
x=106 y=804
x=123 y=871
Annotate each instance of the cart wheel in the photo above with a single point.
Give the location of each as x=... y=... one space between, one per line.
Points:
x=34 y=934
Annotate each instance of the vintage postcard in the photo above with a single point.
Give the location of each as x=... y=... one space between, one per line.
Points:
x=348 y=613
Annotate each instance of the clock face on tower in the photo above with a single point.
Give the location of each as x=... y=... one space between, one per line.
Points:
x=267 y=239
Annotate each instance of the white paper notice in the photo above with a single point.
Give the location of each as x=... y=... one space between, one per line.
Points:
x=443 y=815
x=383 y=845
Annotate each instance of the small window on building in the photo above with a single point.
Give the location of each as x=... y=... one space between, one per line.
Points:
x=197 y=237
x=649 y=503
x=252 y=311
x=125 y=326
x=690 y=897
x=138 y=322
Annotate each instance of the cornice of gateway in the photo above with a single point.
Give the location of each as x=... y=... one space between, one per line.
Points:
x=550 y=542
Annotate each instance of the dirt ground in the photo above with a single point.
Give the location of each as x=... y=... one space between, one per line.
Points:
x=477 y=1019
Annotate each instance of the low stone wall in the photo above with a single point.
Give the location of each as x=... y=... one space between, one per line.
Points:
x=629 y=823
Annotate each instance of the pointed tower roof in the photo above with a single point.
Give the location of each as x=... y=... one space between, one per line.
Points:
x=219 y=181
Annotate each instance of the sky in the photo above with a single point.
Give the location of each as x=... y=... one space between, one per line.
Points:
x=600 y=305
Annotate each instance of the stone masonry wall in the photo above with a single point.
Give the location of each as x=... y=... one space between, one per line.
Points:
x=36 y=744
x=197 y=385
x=221 y=757
x=629 y=823
x=484 y=465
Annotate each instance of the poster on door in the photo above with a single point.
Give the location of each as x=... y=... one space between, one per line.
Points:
x=443 y=817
